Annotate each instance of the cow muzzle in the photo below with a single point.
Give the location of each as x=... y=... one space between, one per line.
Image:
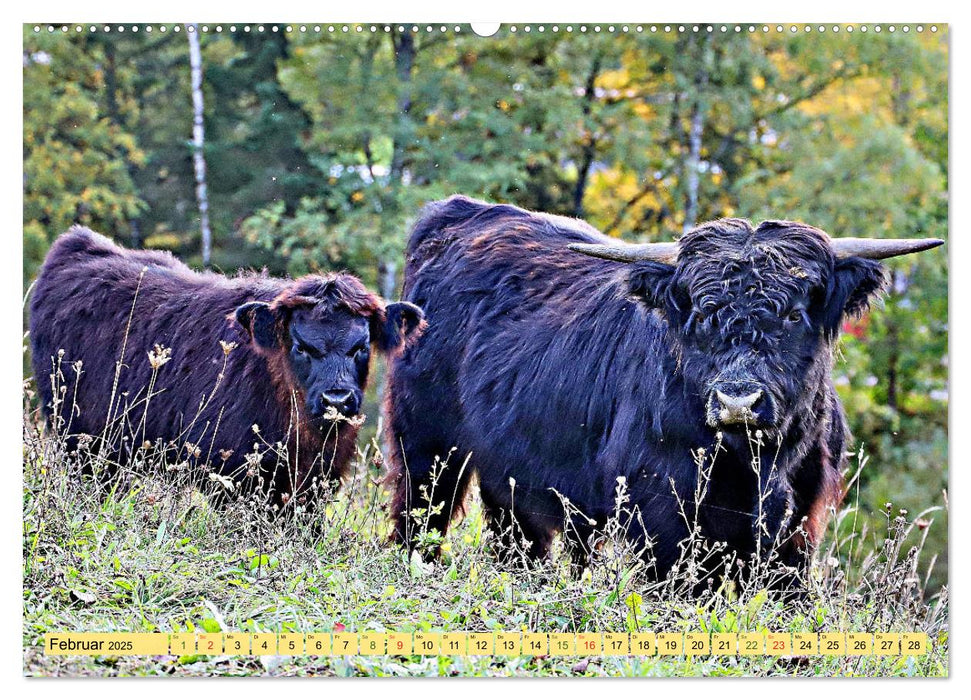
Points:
x=344 y=401
x=735 y=404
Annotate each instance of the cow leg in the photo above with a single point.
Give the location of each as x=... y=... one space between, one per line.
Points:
x=512 y=535
x=430 y=490
x=662 y=548
x=775 y=513
x=816 y=486
x=516 y=529
x=580 y=544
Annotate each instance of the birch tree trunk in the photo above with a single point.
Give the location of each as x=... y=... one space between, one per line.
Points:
x=695 y=131
x=199 y=140
x=694 y=162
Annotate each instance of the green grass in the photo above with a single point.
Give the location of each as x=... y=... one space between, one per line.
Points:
x=150 y=551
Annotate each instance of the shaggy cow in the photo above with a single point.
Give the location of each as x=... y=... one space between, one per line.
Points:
x=262 y=370
x=566 y=376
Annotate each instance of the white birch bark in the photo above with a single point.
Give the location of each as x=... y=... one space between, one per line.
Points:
x=694 y=162
x=695 y=131
x=199 y=140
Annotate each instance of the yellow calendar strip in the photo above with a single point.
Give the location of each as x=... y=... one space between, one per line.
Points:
x=210 y=643
x=751 y=644
x=318 y=644
x=832 y=643
x=643 y=643
x=508 y=643
x=590 y=644
x=428 y=643
x=535 y=644
x=481 y=644
x=504 y=643
x=670 y=643
x=778 y=644
x=697 y=644
x=455 y=644
x=290 y=644
x=805 y=643
x=373 y=644
x=400 y=643
x=236 y=643
x=724 y=644
x=859 y=643
x=616 y=644
x=343 y=643
x=108 y=644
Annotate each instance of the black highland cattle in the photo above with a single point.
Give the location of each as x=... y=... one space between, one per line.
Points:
x=566 y=363
x=205 y=358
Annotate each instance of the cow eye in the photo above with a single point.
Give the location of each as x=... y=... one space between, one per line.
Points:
x=358 y=351
x=795 y=316
x=303 y=350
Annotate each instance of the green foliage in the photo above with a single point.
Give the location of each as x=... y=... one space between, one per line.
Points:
x=75 y=156
x=254 y=155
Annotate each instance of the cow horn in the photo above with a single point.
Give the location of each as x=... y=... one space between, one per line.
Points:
x=880 y=248
x=659 y=252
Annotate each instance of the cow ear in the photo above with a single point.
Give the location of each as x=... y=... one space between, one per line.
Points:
x=650 y=282
x=854 y=284
x=402 y=321
x=259 y=321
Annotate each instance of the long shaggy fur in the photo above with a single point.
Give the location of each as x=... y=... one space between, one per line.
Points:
x=87 y=291
x=561 y=373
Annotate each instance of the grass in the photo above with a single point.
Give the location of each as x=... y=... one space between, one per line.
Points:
x=151 y=551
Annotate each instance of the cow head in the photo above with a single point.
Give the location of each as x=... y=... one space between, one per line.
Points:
x=752 y=311
x=321 y=331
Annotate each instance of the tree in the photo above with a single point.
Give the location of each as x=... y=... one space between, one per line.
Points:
x=199 y=141
x=77 y=158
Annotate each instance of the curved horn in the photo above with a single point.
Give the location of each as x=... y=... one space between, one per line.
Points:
x=626 y=252
x=880 y=248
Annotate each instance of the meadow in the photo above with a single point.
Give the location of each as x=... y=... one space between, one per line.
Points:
x=157 y=547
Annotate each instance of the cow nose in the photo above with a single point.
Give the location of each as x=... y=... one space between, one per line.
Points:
x=737 y=407
x=341 y=399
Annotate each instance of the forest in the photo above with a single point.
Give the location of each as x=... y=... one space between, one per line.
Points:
x=319 y=145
